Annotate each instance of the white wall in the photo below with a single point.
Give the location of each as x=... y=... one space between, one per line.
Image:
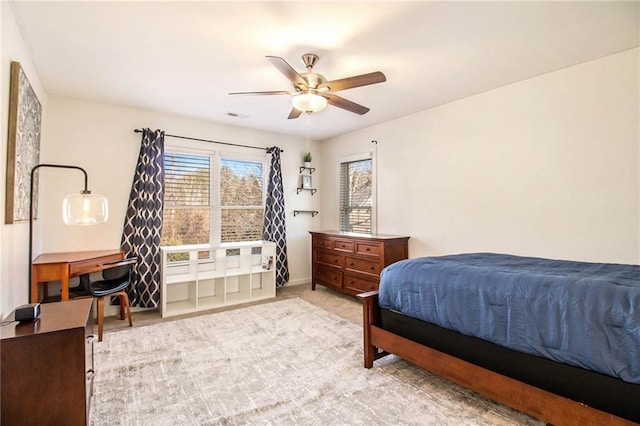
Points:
x=100 y=138
x=14 y=238
x=544 y=167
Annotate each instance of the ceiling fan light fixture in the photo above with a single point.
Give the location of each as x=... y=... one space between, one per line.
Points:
x=309 y=102
x=312 y=92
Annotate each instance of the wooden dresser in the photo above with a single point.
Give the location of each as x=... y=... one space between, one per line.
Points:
x=47 y=366
x=351 y=263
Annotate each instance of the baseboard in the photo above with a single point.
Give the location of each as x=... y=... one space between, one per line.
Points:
x=299 y=281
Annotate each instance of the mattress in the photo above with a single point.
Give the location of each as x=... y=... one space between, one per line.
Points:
x=582 y=314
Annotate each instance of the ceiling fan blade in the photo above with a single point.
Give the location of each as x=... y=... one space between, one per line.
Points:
x=275 y=92
x=356 y=81
x=288 y=71
x=295 y=113
x=346 y=104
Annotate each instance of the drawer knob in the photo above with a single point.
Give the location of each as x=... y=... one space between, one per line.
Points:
x=372 y=268
x=368 y=249
x=351 y=264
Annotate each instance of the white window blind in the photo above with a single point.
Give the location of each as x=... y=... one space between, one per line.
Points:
x=187 y=199
x=356 y=184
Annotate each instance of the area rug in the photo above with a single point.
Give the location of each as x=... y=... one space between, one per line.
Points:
x=283 y=363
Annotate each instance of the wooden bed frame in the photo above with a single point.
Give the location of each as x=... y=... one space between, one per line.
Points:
x=531 y=400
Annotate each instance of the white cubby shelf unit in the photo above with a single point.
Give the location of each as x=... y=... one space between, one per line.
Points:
x=208 y=276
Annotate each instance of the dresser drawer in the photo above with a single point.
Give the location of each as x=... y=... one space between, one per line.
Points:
x=369 y=249
x=343 y=245
x=359 y=285
x=329 y=276
x=92 y=265
x=89 y=370
x=361 y=265
x=329 y=259
x=323 y=243
x=89 y=339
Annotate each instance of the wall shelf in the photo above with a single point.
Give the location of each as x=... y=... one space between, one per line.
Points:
x=313 y=190
x=313 y=212
x=311 y=169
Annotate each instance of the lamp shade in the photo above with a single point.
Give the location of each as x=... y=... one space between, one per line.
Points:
x=85 y=209
x=309 y=102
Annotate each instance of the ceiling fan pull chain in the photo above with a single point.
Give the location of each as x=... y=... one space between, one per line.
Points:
x=308 y=131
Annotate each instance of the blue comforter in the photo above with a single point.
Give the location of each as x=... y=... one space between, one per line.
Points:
x=577 y=313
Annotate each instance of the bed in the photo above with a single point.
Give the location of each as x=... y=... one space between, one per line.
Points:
x=558 y=340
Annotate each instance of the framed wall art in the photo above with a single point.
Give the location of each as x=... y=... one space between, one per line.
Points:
x=306 y=181
x=23 y=151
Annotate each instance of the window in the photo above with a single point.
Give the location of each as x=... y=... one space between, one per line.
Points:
x=356 y=185
x=241 y=204
x=212 y=198
x=187 y=199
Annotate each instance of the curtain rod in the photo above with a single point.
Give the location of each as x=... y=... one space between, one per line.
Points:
x=210 y=141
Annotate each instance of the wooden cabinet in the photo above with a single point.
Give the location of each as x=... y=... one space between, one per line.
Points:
x=351 y=263
x=47 y=366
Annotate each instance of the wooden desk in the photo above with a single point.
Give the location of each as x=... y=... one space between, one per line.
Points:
x=62 y=266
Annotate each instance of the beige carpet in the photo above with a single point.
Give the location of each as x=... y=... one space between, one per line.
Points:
x=281 y=363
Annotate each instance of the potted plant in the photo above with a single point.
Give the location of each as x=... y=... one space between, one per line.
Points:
x=307 y=159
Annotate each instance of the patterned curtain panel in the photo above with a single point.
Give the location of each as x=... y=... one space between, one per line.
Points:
x=274 y=228
x=143 y=222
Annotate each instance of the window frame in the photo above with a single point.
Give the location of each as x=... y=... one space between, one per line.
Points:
x=190 y=148
x=216 y=156
x=374 y=185
x=237 y=157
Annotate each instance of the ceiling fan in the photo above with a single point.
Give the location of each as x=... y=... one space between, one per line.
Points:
x=312 y=92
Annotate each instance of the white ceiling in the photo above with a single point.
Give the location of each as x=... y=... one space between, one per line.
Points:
x=184 y=57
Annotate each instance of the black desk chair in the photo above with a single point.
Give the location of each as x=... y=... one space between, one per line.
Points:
x=116 y=278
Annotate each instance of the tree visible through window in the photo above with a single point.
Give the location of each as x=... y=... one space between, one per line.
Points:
x=241 y=200
x=202 y=207
x=187 y=199
x=356 y=183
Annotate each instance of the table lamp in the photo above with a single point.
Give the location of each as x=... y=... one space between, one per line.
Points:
x=84 y=208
